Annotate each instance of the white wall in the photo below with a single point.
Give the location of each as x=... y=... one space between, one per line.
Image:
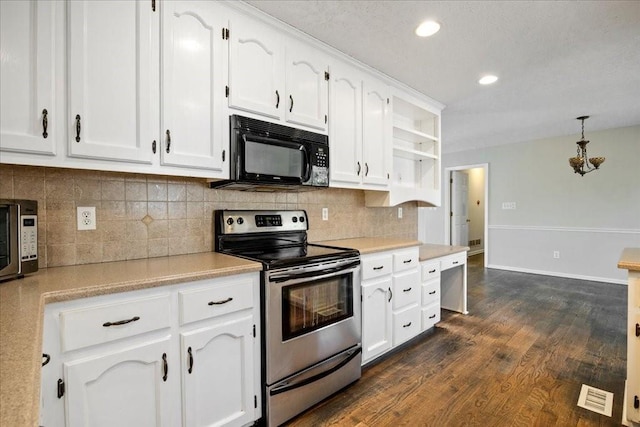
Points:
x=588 y=219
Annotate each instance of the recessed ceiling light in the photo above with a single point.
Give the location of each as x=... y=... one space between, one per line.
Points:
x=427 y=28
x=487 y=80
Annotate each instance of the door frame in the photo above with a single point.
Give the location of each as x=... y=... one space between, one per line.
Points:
x=447 y=204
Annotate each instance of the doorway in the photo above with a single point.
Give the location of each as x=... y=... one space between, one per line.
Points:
x=467 y=209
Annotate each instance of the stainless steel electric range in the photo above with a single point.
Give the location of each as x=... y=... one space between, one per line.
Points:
x=310 y=297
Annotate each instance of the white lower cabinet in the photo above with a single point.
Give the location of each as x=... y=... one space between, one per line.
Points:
x=178 y=355
x=390 y=300
x=430 y=301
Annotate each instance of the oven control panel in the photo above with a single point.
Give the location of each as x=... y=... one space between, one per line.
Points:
x=241 y=221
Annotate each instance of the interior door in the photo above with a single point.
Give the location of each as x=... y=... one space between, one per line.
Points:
x=459 y=208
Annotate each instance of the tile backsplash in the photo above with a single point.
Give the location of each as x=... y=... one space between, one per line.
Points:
x=143 y=216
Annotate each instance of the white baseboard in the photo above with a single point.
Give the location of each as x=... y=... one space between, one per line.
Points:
x=556 y=274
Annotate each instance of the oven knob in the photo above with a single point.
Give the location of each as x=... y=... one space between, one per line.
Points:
x=230 y=221
x=240 y=221
x=301 y=219
x=294 y=219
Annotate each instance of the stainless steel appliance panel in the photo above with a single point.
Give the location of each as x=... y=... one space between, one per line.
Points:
x=286 y=355
x=18 y=238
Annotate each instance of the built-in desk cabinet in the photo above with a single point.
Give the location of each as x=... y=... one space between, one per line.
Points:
x=631 y=408
x=178 y=355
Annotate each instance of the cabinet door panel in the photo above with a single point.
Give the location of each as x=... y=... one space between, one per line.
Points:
x=219 y=389
x=306 y=88
x=376 y=147
x=255 y=69
x=376 y=319
x=124 y=388
x=27 y=71
x=192 y=85
x=113 y=69
x=345 y=130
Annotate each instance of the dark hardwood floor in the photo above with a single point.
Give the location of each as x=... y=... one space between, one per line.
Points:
x=518 y=359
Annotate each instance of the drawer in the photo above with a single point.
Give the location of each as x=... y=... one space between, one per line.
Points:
x=430 y=316
x=101 y=323
x=405 y=259
x=220 y=297
x=430 y=270
x=406 y=324
x=406 y=289
x=452 y=261
x=376 y=266
x=431 y=292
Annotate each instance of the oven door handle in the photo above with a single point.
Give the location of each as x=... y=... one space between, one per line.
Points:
x=287 y=386
x=316 y=273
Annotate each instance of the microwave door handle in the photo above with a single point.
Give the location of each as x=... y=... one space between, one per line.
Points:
x=316 y=273
x=307 y=168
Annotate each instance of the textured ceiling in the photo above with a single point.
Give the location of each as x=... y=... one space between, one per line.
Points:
x=556 y=60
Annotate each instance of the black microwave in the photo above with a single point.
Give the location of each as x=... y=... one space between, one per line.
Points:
x=267 y=156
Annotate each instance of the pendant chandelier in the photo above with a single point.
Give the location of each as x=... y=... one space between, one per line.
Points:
x=581 y=163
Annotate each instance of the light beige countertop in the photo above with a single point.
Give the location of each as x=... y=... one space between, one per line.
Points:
x=366 y=245
x=430 y=251
x=22 y=308
x=378 y=244
x=630 y=259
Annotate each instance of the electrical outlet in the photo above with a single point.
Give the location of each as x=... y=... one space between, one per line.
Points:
x=86 y=218
x=399 y=213
x=556 y=254
x=325 y=214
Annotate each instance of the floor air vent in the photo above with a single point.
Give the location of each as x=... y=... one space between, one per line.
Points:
x=596 y=400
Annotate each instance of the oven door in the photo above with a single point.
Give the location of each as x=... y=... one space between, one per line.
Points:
x=9 y=245
x=312 y=313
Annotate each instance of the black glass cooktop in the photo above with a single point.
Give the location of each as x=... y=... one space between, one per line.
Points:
x=295 y=255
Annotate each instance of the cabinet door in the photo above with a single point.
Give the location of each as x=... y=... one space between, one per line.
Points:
x=28 y=116
x=217 y=372
x=192 y=85
x=376 y=318
x=376 y=146
x=256 y=74
x=123 y=388
x=113 y=80
x=307 y=89
x=345 y=127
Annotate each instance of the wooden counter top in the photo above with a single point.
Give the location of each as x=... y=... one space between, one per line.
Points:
x=22 y=309
x=630 y=259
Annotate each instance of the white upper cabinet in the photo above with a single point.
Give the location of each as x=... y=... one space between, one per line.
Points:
x=307 y=86
x=345 y=130
x=29 y=119
x=376 y=147
x=359 y=130
x=113 y=75
x=192 y=85
x=256 y=72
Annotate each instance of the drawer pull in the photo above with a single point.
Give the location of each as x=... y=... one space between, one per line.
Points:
x=46 y=358
x=190 y=360
x=433 y=316
x=455 y=262
x=45 y=123
x=407 y=325
x=638 y=329
x=390 y=294
x=407 y=261
x=165 y=367
x=121 y=322
x=406 y=290
x=224 y=301
x=378 y=268
x=432 y=271
x=432 y=293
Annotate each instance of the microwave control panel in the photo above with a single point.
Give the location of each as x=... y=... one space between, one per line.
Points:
x=29 y=237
